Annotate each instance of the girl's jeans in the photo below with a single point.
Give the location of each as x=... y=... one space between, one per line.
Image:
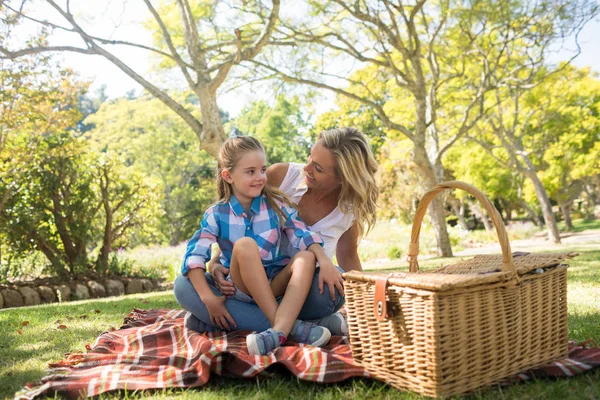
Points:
x=248 y=316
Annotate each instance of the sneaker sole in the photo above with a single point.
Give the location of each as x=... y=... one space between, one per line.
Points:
x=344 y=327
x=252 y=346
x=323 y=339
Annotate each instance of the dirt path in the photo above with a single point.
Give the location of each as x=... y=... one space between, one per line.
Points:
x=589 y=239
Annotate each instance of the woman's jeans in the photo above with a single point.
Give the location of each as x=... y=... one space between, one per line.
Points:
x=248 y=316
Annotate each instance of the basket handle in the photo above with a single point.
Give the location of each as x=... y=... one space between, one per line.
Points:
x=413 y=250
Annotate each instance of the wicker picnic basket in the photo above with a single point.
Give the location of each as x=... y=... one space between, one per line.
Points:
x=463 y=326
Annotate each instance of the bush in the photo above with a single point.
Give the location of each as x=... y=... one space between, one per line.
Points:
x=394 y=253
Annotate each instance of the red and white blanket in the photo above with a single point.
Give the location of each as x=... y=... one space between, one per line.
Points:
x=153 y=350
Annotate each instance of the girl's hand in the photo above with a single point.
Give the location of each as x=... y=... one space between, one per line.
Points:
x=330 y=276
x=219 y=274
x=218 y=312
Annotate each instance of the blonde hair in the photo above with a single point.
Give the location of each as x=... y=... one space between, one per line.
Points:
x=356 y=167
x=230 y=154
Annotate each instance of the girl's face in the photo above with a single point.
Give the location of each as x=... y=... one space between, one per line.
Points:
x=248 y=177
x=320 y=170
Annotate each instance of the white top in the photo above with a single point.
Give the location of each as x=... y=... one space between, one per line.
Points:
x=331 y=227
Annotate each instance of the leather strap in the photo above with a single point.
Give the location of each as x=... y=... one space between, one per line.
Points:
x=380 y=303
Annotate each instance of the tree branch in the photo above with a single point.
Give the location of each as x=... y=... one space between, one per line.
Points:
x=167 y=38
x=249 y=52
x=376 y=107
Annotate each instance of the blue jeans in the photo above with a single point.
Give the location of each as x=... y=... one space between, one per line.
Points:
x=248 y=316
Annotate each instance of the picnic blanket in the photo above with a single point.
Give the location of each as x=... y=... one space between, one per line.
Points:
x=154 y=350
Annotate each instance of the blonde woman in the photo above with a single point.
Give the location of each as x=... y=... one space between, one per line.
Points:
x=335 y=193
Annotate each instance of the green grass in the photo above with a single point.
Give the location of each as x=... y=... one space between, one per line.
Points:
x=24 y=357
x=580 y=225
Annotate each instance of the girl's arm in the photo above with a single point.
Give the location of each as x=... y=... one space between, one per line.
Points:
x=303 y=239
x=198 y=251
x=347 y=250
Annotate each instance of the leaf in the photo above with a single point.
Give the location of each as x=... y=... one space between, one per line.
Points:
x=24 y=323
x=62 y=327
x=83 y=316
x=97 y=311
x=58 y=321
x=20 y=331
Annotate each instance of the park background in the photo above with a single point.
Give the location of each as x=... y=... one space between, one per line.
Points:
x=106 y=172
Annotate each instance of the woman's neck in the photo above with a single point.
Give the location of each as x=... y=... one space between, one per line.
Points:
x=324 y=194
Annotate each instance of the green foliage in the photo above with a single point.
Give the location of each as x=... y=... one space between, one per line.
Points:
x=281 y=129
x=52 y=211
x=400 y=186
x=118 y=267
x=154 y=142
x=54 y=192
x=395 y=252
x=58 y=208
x=568 y=127
x=353 y=113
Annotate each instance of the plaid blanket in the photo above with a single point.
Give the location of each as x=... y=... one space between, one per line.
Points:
x=154 y=350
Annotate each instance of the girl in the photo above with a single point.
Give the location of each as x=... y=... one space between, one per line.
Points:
x=247 y=222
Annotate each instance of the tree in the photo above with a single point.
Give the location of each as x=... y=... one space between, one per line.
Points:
x=437 y=59
x=51 y=212
x=126 y=202
x=571 y=104
x=69 y=201
x=280 y=128
x=540 y=132
x=36 y=96
x=196 y=47
x=153 y=141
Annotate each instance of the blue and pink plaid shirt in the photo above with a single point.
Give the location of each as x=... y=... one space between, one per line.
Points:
x=225 y=223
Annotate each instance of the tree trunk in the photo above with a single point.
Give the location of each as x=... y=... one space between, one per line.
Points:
x=544 y=201
x=459 y=211
x=566 y=210
x=213 y=135
x=481 y=216
x=534 y=217
x=107 y=239
x=54 y=259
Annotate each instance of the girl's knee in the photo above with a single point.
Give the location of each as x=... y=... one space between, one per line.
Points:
x=245 y=244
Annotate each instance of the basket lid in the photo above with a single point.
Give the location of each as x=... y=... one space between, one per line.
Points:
x=488 y=263
x=482 y=269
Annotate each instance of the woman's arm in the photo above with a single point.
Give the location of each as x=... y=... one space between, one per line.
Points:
x=276 y=173
x=347 y=250
x=215 y=305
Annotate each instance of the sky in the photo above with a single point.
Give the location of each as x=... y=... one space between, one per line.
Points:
x=103 y=18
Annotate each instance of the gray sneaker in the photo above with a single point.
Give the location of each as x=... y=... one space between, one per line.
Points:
x=309 y=333
x=191 y=322
x=262 y=343
x=336 y=323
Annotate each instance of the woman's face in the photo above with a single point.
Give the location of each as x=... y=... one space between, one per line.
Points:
x=320 y=169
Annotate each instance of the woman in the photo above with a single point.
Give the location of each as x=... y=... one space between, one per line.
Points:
x=336 y=194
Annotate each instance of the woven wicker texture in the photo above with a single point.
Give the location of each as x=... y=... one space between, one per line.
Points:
x=465 y=326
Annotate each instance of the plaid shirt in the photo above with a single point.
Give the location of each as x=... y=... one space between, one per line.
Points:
x=225 y=223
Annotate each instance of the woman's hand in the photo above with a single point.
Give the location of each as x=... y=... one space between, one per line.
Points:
x=218 y=312
x=219 y=274
x=330 y=276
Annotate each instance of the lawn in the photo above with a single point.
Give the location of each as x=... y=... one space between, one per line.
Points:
x=30 y=338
